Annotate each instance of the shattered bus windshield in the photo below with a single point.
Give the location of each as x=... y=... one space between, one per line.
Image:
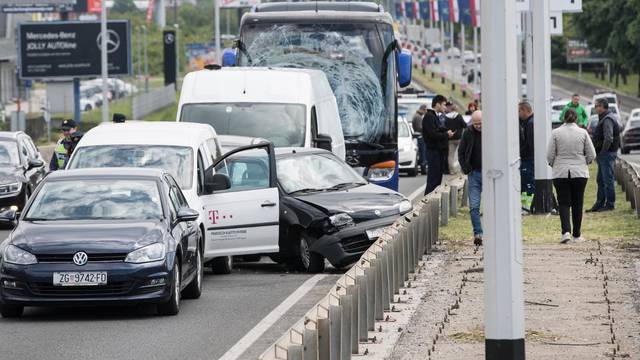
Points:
x=351 y=56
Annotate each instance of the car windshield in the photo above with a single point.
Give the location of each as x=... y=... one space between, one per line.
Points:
x=9 y=153
x=176 y=160
x=103 y=199
x=403 y=130
x=282 y=124
x=315 y=172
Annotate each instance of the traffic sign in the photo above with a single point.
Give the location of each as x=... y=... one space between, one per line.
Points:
x=565 y=6
x=555 y=27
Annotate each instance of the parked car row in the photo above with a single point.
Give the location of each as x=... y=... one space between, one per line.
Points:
x=91 y=92
x=143 y=207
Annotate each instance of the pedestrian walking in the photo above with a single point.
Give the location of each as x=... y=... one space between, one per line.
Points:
x=606 y=140
x=471 y=108
x=65 y=146
x=470 y=158
x=416 y=124
x=436 y=137
x=569 y=153
x=583 y=117
x=527 y=164
x=454 y=122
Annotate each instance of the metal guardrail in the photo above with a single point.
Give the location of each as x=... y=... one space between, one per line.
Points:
x=144 y=104
x=628 y=176
x=335 y=326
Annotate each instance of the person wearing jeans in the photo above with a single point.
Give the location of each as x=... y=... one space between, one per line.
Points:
x=606 y=139
x=470 y=159
x=527 y=165
x=569 y=153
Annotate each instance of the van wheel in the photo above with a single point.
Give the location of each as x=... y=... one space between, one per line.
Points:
x=222 y=265
x=414 y=171
x=11 y=311
x=306 y=260
x=172 y=307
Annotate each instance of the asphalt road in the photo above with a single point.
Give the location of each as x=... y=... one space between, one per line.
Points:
x=230 y=307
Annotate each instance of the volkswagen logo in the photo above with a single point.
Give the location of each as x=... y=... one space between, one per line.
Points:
x=80 y=258
x=377 y=212
x=113 y=41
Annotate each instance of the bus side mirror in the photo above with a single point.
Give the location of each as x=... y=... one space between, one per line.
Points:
x=229 y=57
x=403 y=59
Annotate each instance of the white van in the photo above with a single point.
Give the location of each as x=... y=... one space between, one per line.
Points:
x=183 y=150
x=289 y=107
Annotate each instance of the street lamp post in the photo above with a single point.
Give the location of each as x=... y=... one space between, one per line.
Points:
x=504 y=298
x=146 y=61
x=104 y=61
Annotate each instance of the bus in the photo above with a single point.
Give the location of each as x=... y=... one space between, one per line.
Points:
x=353 y=43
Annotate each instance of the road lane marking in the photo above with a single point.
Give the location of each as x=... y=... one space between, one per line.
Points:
x=419 y=191
x=254 y=334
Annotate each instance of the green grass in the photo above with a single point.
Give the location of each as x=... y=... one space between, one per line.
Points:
x=435 y=85
x=630 y=89
x=620 y=226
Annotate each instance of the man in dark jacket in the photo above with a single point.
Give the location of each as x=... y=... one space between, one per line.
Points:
x=416 y=124
x=606 y=140
x=436 y=137
x=455 y=122
x=527 y=164
x=470 y=158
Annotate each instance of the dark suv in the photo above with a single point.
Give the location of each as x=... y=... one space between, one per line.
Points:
x=21 y=168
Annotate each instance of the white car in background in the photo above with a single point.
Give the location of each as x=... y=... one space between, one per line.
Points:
x=453 y=52
x=556 y=109
x=611 y=97
x=634 y=115
x=468 y=56
x=407 y=148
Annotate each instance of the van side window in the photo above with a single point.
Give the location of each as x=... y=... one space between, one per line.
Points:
x=314 y=126
x=214 y=149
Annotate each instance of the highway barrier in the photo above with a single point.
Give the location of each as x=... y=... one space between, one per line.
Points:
x=628 y=176
x=337 y=326
x=144 y=104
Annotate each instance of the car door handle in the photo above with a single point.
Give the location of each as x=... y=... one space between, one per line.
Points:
x=268 y=204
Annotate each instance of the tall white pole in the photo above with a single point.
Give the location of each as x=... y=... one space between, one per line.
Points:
x=504 y=300
x=475 y=60
x=104 y=61
x=543 y=198
x=528 y=41
x=217 y=30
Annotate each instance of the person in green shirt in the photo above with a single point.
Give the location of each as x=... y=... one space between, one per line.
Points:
x=583 y=117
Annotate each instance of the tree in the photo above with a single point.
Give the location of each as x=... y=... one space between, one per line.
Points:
x=124 y=6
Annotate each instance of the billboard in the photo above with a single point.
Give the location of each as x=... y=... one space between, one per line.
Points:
x=238 y=3
x=70 y=49
x=578 y=52
x=19 y=6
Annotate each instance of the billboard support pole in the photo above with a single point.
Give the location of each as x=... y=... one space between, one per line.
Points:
x=76 y=101
x=105 y=65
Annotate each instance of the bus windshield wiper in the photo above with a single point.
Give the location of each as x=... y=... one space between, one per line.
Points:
x=243 y=50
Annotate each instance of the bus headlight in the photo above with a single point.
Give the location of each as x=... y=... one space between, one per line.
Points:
x=382 y=171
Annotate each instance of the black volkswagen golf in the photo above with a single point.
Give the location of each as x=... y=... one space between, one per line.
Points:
x=100 y=237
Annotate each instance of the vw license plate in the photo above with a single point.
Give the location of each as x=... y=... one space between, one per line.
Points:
x=375 y=233
x=79 y=278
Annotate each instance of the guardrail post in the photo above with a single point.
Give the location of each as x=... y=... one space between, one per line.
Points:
x=386 y=284
x=371 y=295
x=294 y=352
x=453 y=201
x=345 y=328
x=362 y=282
x=378 y=307
x=324 y=340
x=636 y=195
x=398 y=264
x=426 y=227
x=310 y=342
x=405 y=255
x=436 y=222
x=415 y=226
x=355 y=300
x=411 y=234
x=464 y=201
x=444 y=212
x=631 y=193
x=335 y=327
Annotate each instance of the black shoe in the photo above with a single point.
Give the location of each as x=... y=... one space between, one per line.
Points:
x=594 y=209
x=606 y=208
x=477 y=240
x=423 y=170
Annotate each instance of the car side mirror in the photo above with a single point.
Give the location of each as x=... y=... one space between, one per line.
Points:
x=35 y=163
x=8 y=217
x=187 y=214
x=323 y=141
x=216 y=182
x=403 y=59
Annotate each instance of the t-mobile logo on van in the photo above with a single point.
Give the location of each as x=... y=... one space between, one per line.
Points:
x=214 y=216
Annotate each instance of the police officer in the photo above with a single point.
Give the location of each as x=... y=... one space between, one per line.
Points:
x=118 y=118
x=65 y=146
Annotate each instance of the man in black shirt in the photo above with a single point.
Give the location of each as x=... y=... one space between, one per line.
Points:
x=436 y=137
x=470 y=158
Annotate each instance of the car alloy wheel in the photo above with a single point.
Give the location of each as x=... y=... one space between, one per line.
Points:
x=194 y=289
x=172 y=306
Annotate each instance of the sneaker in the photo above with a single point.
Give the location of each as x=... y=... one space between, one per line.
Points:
x=578 y=239
x=565 y=238
x=477 y=240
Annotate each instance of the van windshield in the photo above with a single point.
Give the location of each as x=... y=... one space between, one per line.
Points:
x=282 y=124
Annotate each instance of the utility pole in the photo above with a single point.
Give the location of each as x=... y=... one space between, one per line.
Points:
x=475 y=62
x=146 y=61
x=216 y=30
x=104 y=61
x=504 y=299
x=528 y=50
x=543 y=197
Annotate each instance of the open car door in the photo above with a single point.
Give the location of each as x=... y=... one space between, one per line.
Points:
x=242 y=202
